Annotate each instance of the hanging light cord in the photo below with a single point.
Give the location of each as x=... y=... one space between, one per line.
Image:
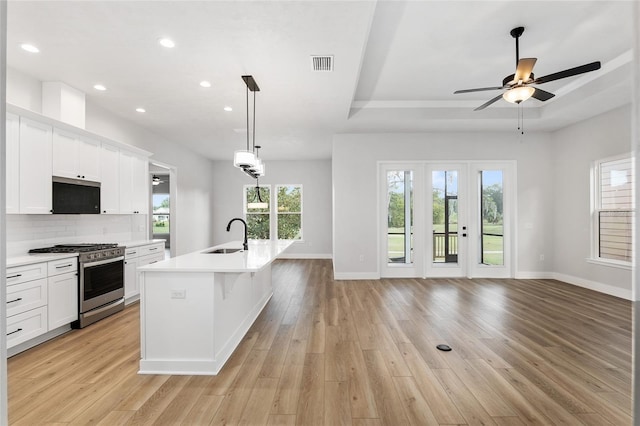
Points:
x=247 y=117
x=258 y=190
x=254 y=121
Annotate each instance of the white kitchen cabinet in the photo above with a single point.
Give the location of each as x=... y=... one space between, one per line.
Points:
x=26 y=325
x=133 y=184
x=110 y=186
x=35 y=167
x=62 y=285
x=135 y=257
x=63 y=299
x=75 y=157
x=13 y=164
x=26 y=308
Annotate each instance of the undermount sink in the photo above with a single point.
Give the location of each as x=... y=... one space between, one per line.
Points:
x=223 y=251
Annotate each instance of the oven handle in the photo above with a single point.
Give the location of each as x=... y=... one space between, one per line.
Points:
x=101 y=262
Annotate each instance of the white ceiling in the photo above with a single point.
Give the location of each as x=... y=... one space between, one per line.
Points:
x=397 y=65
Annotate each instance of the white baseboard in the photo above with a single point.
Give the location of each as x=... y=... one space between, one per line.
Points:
x=305 y=256
x=356 y=276
x=577 y=281
x=596 y=286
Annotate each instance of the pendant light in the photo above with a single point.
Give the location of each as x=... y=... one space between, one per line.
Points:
x=257 y=203
x=247 y=159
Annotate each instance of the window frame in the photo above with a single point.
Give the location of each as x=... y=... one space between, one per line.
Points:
x=301 y=213
x=596 y=209
x=245 y=212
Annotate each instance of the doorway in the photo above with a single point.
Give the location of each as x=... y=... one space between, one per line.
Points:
x=163 y=206
x=442 y=219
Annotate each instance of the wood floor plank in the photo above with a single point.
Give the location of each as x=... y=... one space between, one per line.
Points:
x=337 y=410
x=361 y=353
x=311 y=402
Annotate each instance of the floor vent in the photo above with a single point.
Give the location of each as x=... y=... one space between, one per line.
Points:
x=321 y=63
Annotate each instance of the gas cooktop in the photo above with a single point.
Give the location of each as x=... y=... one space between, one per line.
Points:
x=75 y=248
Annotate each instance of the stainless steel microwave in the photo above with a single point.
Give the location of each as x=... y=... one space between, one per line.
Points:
x=75 y=196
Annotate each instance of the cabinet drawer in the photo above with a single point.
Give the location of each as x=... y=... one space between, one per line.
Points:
x=62 y=266
x=26 y=326
x=20 y=274
x=147 y=260
x=151 y=249
x=130 y=253
x=26 y=296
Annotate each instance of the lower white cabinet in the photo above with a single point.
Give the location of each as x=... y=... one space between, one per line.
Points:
x=135 y=257
x=26 y=325
x=40 y=297
x=63 y=299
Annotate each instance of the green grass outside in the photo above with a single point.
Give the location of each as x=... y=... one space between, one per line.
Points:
x=160 y=227
x=493 y=245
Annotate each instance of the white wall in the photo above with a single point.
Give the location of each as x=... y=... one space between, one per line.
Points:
x=355 y=160
x=315 y=178
x=575 y=149
x=194 y=173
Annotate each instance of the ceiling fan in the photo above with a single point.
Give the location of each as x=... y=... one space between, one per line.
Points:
x=517 y=87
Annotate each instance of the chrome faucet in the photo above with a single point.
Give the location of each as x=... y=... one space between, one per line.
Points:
x=245 y=245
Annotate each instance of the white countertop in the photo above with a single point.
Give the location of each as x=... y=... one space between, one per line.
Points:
x=30 y=259
x=259 y=254
x=139 y=243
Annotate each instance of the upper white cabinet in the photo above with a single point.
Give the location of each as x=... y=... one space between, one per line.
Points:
x=110 y=187
x=35 y=167
x=13 y=164
x=133 y=183
x=75 y=157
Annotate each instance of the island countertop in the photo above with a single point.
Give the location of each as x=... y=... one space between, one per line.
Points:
x=259 y=254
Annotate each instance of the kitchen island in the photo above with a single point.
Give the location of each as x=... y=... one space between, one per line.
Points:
x=196 y=308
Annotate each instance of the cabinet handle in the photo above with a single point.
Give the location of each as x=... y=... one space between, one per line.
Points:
x=15 y=300
x=63 y=266
x=155 y=261
x=104 y=211
x=153 y=248
x=14 y=276
x=13 y=332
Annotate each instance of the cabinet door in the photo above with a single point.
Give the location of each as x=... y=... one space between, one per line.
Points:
x=141 y=185
x=64 y=155
x=126 y=182
x=35 y=167
x=13 y=164
x=63 y=299
x=131 y=287
x=89 y=159
x=110 y=187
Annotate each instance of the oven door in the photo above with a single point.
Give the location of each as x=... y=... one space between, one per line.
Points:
x=101 y=282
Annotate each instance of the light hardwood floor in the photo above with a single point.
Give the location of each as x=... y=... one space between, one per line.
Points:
x=358 y=353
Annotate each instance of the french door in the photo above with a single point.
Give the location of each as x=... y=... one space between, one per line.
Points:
x=447 y=219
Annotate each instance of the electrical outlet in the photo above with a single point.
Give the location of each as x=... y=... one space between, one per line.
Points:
x=542 y=258
x=178 y=294
x=362 y=258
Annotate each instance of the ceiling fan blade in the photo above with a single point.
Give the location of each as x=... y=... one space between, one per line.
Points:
x=568 y=73
x=523 y=71
x=480 y=89
x=489 y=102
x=542 y=95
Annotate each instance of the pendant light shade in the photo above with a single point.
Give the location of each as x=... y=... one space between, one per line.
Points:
x=518 y=94
x=244 y=159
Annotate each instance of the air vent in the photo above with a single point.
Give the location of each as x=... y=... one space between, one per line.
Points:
x=322 y=63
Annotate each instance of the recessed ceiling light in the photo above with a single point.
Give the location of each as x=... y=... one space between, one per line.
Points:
x=141 y=110
x=205 y=83
x=29 y=48
x=100 y=87
x=167 y=42
x=228 y=109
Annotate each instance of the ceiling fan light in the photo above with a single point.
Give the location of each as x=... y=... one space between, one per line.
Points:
x=518 y=94
x=244 y=159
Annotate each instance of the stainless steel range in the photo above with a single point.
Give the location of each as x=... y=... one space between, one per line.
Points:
x=100 y=279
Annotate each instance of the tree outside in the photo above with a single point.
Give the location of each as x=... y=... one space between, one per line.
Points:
x=289 y=212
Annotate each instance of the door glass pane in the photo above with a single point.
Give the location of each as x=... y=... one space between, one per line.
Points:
x=491 y=223
x=400 y=216
x=445 y=216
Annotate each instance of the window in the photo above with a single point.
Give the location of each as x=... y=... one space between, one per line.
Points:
x=289 y=216
x=257 y=212
x=399 y=216
x=614 y=209
x=161 y=214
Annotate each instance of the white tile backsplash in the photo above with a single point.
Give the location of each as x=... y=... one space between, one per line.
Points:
x=25 y=232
